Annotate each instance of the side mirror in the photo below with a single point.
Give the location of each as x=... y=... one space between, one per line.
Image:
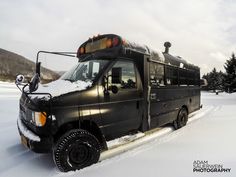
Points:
x=203 y=82
x=19 y=79
x=33 y=85
x=38 y=64
x=114 y=89
x=116 y=75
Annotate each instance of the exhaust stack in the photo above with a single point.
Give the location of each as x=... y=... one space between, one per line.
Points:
x=167 y=46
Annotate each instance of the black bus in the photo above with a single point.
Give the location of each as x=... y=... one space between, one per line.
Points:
x=117 y=87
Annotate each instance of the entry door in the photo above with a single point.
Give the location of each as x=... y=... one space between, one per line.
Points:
x=158 y=95
x=121 y=112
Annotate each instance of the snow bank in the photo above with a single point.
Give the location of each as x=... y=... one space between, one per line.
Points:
x=60 y=87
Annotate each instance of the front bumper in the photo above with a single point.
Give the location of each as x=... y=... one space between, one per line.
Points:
x=32 y=141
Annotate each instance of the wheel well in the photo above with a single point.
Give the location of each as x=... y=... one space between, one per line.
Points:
x=185 y=107
x=87 y=125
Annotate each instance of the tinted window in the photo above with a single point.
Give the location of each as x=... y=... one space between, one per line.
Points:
x=156 y=74
x=171 y=75
x=183 y=77
x=191 y=78
x=197 y=78
x=188 y=77
x=128 y=78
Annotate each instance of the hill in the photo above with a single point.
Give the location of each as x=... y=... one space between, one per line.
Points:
x=12 y=64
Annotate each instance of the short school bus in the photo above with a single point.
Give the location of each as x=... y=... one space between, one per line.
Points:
x=126 y=88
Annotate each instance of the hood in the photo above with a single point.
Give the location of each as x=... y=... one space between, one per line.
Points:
x=60 y=87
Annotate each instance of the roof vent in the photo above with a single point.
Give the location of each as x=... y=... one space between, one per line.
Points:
x=167 y=46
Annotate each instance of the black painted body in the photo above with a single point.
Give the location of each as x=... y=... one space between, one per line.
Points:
x=112 y=115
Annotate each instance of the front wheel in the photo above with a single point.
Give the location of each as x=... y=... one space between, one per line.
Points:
x=182 y=118
x=75 y=150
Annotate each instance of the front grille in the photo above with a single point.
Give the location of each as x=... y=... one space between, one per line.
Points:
x=26 y=118
x=22 y=108
x=25 y=113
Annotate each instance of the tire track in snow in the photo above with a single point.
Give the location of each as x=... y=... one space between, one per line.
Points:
x=152 y=136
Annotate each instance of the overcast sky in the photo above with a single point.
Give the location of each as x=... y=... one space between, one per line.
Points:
x=201 y=31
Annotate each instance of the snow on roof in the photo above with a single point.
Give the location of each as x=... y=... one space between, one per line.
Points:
x=60 y=87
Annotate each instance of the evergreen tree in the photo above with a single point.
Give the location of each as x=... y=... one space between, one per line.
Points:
x=230 y=76
x=215 y=80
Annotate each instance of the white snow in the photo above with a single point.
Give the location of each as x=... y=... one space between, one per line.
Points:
x=209 y=135
x=128 y=142
x=60 y=87
x=26 y=132
x=8 y=90
x=123 y=140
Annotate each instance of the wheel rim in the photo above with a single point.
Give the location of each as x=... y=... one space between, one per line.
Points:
x=78 y=154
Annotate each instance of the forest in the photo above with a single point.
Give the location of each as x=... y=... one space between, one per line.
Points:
x=219 y=81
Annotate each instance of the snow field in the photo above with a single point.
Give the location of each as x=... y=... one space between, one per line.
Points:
x=209 y=135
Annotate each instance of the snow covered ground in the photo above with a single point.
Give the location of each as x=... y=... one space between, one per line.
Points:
x=209 y=136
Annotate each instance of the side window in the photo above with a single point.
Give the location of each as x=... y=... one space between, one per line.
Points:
x=171 y=75
x=128 y=78
x=96 y=68
x=183 y=80
x=156 y=74
x=197 y=78
x=191 y=78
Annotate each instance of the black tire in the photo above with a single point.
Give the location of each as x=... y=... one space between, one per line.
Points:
x=75 y=150
x=182 y=119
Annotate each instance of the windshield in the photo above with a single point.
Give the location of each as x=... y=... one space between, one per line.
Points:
x=85 y=71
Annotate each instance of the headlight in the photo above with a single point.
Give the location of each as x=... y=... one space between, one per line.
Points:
x=39 y=118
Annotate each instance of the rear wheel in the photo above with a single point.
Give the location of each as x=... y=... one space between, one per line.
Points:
x=76 y=149
x=182 y=118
